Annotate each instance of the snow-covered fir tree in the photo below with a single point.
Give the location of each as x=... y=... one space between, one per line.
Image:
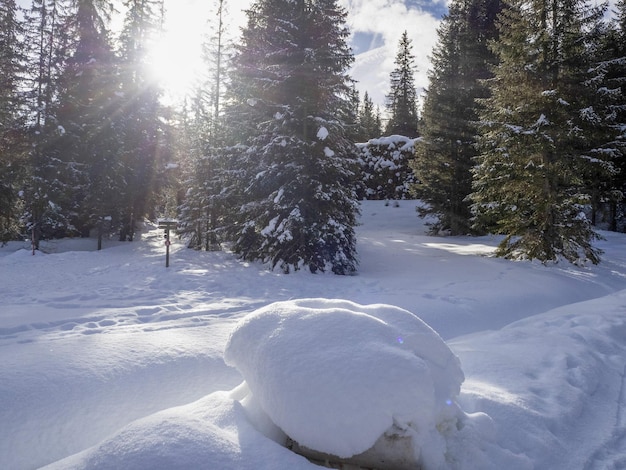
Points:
x=445 y=156
x=538 y=128
x=369 y=120
x=295 y=203
x=607 y=138
x=402 y=96
x=384 y=162
x=12 y=148
x=47 y=42
x=205 y=179
x=202 y=210
x=610 y=79
x=87 y=142
x=143 y=134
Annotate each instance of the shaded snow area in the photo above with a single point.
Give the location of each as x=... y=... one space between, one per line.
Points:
x=436 y=355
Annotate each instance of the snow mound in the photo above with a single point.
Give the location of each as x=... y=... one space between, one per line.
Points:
x=211 y=433
x=335 y=376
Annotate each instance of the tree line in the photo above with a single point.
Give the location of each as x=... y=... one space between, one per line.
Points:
x=521 y=131
x=83 y=135
x=524 y=126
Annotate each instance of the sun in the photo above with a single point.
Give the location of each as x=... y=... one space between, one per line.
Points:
x=176 y=56
x=175 y=61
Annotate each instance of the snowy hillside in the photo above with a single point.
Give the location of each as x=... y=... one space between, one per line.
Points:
x=110 y=360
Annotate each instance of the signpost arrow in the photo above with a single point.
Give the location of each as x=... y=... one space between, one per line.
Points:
x=167 y=225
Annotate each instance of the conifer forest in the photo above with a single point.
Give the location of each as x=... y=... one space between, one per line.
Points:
x=520 y=133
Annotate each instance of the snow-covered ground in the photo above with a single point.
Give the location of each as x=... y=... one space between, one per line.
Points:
x=109 y=360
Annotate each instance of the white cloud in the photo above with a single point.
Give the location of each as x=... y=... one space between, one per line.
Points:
x=386 y=19
x=389 y=19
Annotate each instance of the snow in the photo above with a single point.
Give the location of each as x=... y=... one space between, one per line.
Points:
x=110 y=360
x=302 y=360
x=322 y=133
x=402 y=143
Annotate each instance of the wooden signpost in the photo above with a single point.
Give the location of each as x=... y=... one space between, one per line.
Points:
x=167 y=225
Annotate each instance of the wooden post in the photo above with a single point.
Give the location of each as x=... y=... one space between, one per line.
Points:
x=167 y=247
x=167 y=225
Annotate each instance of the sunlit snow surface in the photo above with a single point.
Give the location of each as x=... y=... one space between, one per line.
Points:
x=335 y=375
x=110 y=360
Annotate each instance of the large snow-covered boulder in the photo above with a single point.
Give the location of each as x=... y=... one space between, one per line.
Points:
x=345 y=380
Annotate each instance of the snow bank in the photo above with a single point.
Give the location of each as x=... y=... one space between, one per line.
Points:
x=337 y=376
x=211 y=433
x=556 y=382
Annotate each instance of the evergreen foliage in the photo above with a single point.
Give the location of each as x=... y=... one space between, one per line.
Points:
x=12 y=149
x=444 y=158
x=202 y=210
x=86 y=145
x=290 y=95
x=369 y=120
x=526 y=138
x=145 y=149
x=402 y=97
x=610 y=75
x=385 y=167
x=47 y=44
x=539 y=134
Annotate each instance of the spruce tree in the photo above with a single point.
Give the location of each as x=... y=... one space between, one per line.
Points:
x=620 y=55
x=352 y=124
x=532 y=181
x=47 y=44
x=87 y=142
x=295 y=204
x=445 y=155
x=202 y=210
x=607 y=138
x=12 y=125
x=143 y=134
x=402 y=97
x=369 y=120
x=611 y=83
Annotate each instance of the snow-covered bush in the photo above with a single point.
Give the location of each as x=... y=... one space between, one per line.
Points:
x=347 y=383
x=385 y=167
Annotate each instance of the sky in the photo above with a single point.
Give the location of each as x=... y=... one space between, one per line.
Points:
x=376 y=27
x=456 y=359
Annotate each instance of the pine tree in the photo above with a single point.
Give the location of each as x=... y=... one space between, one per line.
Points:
x=611 y=84
x=88 y=138
x=352 y=124
x=12 y=126
x=402 y=97
x=145 y=149
x=445 y=155
x=290 y=91
x=47 y=47
x=532 y=182
x=203 y=205
x=607 y=138
x=369 y=120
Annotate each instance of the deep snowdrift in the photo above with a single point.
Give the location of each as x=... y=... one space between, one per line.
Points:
x=335 y=375
x=109 y=360
x=341 y=378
